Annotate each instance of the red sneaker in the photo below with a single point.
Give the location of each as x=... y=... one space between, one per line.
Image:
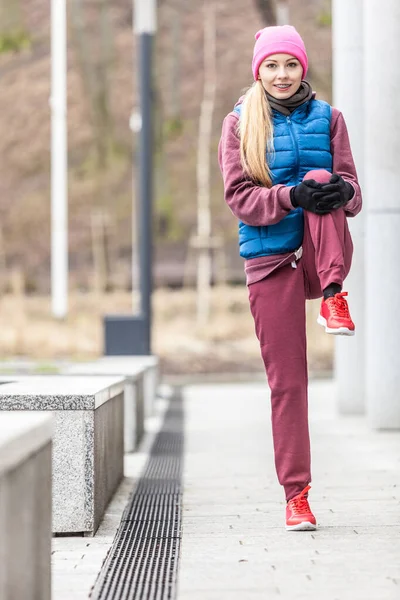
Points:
x=298 y=513
x=334 y=315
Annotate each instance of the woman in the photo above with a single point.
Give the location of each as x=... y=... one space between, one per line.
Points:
x=289 y=178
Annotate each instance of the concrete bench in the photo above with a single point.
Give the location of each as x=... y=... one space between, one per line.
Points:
x=133 y=395
x=25 y=506
x=128 y=366
x=88 y=441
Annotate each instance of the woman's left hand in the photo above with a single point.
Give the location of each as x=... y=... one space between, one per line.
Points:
x=345 y=189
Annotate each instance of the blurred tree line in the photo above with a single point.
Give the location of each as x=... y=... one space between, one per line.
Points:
x=195 y=85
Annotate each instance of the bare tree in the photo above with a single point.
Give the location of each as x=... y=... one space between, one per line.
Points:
x=175 y=27
x=94 y=66
x=204 y=241
x=99 y=250
x=94 y=56
x=282 y=12
x=102 y=96
x=266 y=8
x=10 y=15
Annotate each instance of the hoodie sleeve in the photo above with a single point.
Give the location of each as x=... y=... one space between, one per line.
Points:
x=252 y=204
x=343 y=162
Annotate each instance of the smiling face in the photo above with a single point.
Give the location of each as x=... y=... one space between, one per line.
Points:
x=281 y=75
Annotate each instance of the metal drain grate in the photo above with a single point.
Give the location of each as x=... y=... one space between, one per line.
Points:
x=143 y=561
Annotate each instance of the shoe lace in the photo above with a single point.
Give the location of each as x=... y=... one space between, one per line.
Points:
x=338 y=305
x=299 y=504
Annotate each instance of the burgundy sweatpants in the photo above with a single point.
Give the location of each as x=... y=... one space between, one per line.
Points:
x=277 y=304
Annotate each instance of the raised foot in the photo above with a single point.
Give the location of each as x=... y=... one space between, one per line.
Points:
x=334 y=315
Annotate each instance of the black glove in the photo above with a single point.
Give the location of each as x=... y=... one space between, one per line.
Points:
x=344 y=188
x=315 y=197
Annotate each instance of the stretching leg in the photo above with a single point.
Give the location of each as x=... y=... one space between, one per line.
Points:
x=327 y=251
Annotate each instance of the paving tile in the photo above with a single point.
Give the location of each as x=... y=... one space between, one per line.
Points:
x=234 y=542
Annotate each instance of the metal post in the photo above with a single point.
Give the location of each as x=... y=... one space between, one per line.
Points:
x=59 y=161
x=347 y=38
x=132 y=334
x=144 y=206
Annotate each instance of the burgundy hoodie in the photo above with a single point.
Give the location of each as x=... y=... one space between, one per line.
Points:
x=258 y=205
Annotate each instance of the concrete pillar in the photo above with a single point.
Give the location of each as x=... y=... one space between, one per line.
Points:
x=348 y=97
x=382 y=177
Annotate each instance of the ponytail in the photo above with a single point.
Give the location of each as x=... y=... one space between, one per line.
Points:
x=256 y=134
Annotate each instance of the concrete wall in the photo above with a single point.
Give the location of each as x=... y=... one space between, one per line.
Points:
x=348 y=97
x=25 y=526
x=382 y=177
x=87 y=465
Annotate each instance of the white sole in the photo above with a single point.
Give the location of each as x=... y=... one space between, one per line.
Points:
x=304 y=526
x=340 y=331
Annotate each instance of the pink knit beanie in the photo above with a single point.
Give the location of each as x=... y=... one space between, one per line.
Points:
x=282 y=39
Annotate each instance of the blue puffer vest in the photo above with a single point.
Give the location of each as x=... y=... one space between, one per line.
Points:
x=301 y=143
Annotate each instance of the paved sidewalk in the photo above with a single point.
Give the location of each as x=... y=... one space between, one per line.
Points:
x=234 y=544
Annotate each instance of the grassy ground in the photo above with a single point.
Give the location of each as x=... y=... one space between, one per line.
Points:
x=226 y=344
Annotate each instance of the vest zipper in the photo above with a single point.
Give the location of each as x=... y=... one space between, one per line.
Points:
x=296 y=147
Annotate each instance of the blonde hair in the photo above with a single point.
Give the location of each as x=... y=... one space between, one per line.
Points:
x=256 y=134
